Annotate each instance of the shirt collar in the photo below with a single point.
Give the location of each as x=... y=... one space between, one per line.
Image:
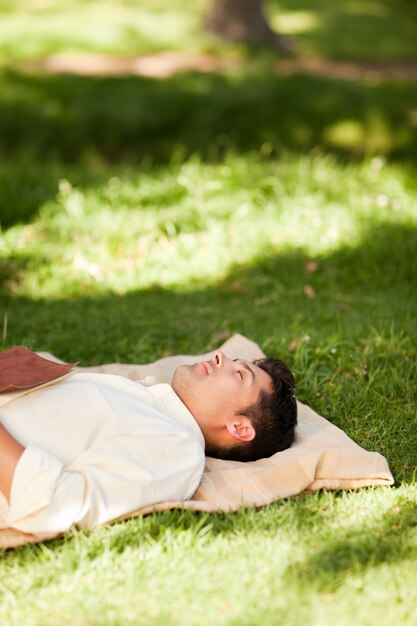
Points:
x=169 y=403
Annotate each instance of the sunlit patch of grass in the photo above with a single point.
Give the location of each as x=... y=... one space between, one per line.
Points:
x=162 y=227
x=294 y=23
x=373 y=137
x=120 y=28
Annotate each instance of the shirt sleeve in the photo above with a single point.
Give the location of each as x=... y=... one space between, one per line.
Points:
x=107 y=481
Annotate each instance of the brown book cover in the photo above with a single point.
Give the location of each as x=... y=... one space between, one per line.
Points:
x=20 y=368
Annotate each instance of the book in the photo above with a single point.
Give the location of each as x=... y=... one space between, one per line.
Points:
x=20 y=368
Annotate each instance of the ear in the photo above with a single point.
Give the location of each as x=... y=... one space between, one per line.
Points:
x=241 y=428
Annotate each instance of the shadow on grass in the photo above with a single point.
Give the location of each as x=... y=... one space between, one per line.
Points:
x=11 y=269
x=352 y=30
x=98 y=122
x=356 y=549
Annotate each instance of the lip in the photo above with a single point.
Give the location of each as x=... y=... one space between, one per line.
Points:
x=204 y=364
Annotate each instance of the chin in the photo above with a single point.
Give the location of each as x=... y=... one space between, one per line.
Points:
x=185 y=383
x=181 y=378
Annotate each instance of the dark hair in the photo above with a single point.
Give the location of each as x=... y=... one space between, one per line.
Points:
x=273 y=415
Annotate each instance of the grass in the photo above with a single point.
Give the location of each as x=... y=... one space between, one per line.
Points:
x=311 y=559
x=142 y=218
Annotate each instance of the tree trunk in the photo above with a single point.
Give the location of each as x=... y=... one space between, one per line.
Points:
x=243 y=20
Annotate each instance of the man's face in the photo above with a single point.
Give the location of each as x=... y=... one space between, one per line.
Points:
x=216 y=391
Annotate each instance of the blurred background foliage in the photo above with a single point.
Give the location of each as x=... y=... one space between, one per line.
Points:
x=350 y=29
x=48 y=118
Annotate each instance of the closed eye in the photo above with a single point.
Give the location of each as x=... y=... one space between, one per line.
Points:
x=247 y=368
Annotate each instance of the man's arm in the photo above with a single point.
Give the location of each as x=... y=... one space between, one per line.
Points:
x=106 y=481
x=10 y=453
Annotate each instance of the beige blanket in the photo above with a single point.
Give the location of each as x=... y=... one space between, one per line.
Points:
x=323 y=457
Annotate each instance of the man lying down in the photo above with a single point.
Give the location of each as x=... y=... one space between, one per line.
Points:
x=94 y=447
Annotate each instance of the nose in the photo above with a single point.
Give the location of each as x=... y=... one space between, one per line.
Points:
x=219 y=358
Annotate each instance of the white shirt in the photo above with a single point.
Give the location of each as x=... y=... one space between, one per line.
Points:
x=98 y=446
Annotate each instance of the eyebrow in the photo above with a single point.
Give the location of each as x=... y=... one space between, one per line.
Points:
x=247 y=367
